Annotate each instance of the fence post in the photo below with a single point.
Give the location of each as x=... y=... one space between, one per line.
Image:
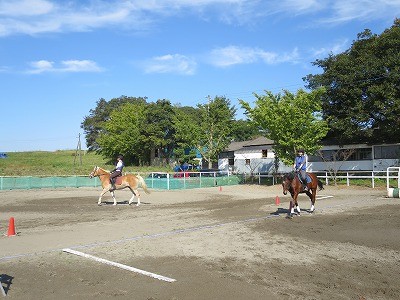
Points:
x=347 y=179
x=168 y=181
x=373 y=181
x=398 y=179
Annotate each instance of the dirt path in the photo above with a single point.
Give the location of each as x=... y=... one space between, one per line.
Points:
x=233 y=243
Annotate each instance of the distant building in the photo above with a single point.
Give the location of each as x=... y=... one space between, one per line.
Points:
x=257 y=156
x=254 y=156
x=356 y=157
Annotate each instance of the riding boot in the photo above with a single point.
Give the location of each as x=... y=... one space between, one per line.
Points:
x=112 y=185
x=304 y=183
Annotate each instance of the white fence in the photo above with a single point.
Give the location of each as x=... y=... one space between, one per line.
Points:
x=392 y=173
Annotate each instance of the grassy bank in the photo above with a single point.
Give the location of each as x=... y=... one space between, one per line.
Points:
x=63 y=162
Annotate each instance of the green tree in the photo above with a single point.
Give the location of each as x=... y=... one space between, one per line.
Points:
x=121 y=133
x=93 y=124
x=292 y=121
x=362 y=102
x=244 y=130
x=157 y=133
x=210 y=133
x=186 y=119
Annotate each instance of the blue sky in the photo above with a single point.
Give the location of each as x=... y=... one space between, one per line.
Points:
x=58 y=58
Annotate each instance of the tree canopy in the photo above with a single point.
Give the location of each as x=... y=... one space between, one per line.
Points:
x=155 y=132
x=93 y=124
x=211 y=132
x=292 y=121
x=121 y=133
x=362 y=100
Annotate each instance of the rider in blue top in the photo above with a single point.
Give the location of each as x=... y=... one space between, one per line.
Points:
x=117 y=171
x=300 y=165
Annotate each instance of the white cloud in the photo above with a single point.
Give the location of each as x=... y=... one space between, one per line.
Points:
x=233 y=55
x=297 y=6
x=341 y=11
x=42 y=16
x=171 y=63
x=25 y=7
x=42 y=66
x=336 y=48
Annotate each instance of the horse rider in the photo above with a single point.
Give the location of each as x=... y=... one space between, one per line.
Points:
x=117 y=171
x=300 y=166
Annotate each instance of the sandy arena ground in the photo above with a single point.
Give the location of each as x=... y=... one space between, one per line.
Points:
x=233 y=243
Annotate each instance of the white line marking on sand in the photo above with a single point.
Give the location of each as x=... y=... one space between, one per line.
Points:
x=323 y=197
x=125 y=267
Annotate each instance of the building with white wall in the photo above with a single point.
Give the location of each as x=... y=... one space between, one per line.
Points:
x=257 y=156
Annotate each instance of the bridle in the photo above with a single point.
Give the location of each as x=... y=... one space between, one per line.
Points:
x=286 y=184
x=95 y=174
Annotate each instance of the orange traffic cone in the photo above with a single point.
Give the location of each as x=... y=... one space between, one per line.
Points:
x=220 y=188
x=11 y=227
x=277 y=200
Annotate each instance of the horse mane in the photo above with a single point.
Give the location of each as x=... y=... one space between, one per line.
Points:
x=289 y=176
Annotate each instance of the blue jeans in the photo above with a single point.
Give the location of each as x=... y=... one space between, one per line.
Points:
x=303 y=176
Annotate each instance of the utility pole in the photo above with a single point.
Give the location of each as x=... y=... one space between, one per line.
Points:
x=78 y=151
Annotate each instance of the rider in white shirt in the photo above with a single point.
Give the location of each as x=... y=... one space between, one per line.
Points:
x=117 y=171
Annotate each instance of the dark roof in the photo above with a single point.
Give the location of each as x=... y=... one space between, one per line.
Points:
x=257 y=143
x=260 y=141
x=235 y=146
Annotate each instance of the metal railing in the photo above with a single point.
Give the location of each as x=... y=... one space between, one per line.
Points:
x=189 y=180
x=391 y=176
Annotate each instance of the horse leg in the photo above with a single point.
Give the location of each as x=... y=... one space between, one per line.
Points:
x=293 y=203
x=312 y=198
x=138 y=195
x=101 y=196
x=113 y=196
x=298 y=208
x=133 y=197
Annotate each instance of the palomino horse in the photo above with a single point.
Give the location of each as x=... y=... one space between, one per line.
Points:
x=127 y=181
x=291 y=183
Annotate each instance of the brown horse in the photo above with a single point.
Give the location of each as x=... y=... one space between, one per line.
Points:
x=291 y=183
x=126 y=181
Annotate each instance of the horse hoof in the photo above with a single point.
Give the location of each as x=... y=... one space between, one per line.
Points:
x=289 y=217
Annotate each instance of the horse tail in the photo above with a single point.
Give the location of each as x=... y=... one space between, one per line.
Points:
x=320 y=184
x=143 y=183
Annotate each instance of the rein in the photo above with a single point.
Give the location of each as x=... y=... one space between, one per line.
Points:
x=98 y=175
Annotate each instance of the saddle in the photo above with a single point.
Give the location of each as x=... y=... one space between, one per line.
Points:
x=308 y=179
x=117 y=180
